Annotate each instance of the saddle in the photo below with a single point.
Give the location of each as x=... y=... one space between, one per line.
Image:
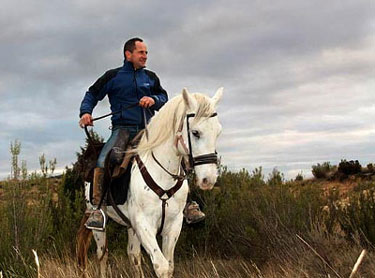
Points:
x=117 y=167
x=121 y=159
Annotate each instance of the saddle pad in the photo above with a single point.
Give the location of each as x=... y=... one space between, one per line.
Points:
x=119 y=189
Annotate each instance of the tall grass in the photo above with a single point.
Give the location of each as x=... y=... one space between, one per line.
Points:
x=250 y=231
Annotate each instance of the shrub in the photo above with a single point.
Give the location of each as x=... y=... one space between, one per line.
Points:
x=299 y=177
x=371 y=168
x=356 y=217
x=323 y=171
x=349 y=167
x=275 y=178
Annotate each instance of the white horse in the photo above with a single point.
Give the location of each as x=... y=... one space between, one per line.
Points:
x=187 y=118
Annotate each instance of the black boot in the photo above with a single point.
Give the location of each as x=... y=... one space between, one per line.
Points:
x=192 y=213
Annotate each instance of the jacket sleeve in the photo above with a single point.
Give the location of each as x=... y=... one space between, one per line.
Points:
x=158 y=93
x=96 y=92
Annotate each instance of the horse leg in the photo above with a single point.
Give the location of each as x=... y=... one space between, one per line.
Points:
x=101 y=251
x=170 y=238
x=134 y=253
x=84 y=236
x=147 y=236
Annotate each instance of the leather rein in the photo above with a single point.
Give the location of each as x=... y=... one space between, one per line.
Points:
x=187 y=166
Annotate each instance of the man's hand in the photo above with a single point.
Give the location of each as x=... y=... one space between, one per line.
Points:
x=85 y=120
x=146 y=102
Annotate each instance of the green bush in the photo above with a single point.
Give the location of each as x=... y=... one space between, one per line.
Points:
x=323 y=171
x=246 y=217
x=31 y=218
x=349 y=167
x=357 y=216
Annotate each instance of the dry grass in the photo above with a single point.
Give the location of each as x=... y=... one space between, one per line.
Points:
x=289 y=265
x=252 y=225
x=119 y=267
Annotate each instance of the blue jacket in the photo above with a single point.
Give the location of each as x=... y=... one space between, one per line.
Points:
x=124 y=87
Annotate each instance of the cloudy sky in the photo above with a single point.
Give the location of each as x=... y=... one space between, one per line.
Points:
x=298 y=75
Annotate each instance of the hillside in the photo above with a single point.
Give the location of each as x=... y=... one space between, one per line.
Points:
x=252 y=226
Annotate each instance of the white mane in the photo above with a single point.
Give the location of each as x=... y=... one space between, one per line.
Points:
x=164 y=124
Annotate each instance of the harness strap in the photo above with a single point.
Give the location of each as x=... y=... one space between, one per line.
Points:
x=164 y=195
x=175 y=176
x=119 y=212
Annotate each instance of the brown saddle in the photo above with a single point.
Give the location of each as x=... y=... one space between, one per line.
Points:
x=117 y=160
x=120 y=168
x=117 y=166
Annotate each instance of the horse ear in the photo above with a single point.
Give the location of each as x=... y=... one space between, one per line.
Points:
x=216 y=98
x=189 y=100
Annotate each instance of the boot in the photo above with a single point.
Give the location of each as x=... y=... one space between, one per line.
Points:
x=97 y=218
x=192 y=213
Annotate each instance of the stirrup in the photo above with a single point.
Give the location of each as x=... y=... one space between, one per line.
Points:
x=96 y=224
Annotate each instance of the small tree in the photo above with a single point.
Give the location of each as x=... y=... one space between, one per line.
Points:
x=275 y=178
x=323 y=171
x=15 y=149
x=299 y=177
x=257 y=177
x=24 y=169
x=43 y=165
x=52 y=165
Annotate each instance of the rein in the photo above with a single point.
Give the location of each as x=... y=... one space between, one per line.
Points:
x=165 y=195
x=107 y=190
x=187 y=165
x=90 y=140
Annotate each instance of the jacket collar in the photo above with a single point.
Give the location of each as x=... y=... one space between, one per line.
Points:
x=129 y=66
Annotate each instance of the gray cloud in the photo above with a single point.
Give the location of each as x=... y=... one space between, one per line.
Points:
x=297 y=74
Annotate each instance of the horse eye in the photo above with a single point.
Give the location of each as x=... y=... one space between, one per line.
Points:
x=196 y=133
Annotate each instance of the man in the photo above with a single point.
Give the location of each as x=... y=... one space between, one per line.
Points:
x=125 y=86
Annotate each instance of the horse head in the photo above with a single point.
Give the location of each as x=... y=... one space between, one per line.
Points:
x=201 y=130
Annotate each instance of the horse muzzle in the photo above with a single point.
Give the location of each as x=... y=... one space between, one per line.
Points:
x=206 y=176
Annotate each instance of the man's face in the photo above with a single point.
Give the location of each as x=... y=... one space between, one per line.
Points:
x=139 y=55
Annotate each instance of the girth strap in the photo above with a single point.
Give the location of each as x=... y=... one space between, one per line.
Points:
x=164 y=195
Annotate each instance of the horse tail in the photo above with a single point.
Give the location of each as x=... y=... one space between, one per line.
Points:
x=84 y=237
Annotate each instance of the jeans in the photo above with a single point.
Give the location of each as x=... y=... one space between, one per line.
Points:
x=133 y=130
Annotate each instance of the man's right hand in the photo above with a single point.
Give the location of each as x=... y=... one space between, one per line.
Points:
x=85 y=120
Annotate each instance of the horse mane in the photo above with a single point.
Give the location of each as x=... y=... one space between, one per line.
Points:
x=165 y=123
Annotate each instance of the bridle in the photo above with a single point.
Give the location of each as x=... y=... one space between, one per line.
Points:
x=187 y=167
x=192 y=161
x=210 y=158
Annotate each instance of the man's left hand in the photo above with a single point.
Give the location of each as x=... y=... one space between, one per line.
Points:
x=146 y=102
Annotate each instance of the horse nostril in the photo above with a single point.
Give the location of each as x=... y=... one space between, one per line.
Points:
x=205 y=180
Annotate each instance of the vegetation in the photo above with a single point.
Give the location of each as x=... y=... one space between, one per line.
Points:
x=254 y=227
x=323 y=171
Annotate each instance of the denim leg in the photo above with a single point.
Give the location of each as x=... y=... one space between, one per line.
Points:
x=106 y=149
x=132 y=132
x=111 y=142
